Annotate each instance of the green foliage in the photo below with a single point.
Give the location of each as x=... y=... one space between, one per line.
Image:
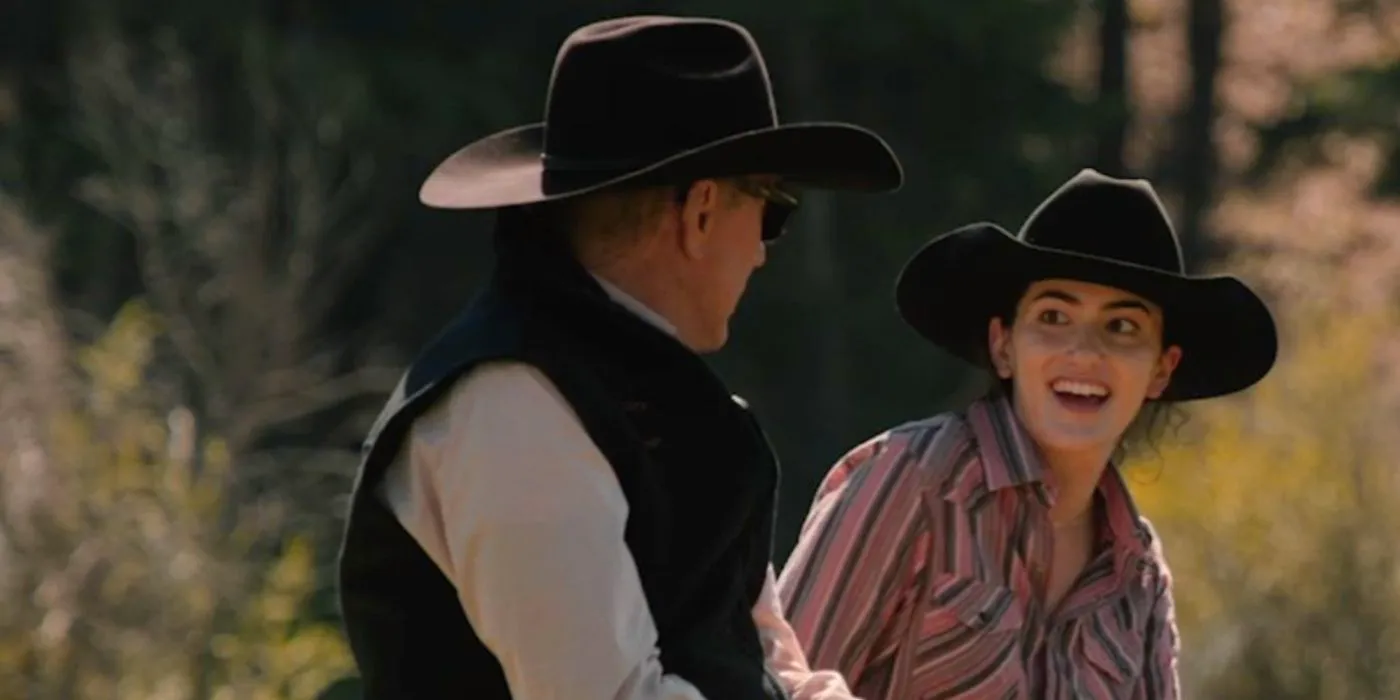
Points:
x=1279 y=525
x=151 y=580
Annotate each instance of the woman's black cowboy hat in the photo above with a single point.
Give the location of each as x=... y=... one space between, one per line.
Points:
x=657 y=100
x=1096 y=229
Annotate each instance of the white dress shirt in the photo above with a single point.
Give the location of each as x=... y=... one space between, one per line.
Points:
x=505 y=491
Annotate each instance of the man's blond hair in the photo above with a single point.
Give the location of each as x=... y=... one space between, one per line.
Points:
x=602 y=225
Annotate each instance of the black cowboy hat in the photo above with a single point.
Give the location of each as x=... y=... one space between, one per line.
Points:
x=1106 y=231
x=657 y=100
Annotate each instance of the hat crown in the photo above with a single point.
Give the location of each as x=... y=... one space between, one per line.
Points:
x=634 y=90
x=1106 y=231
x=1105 y=217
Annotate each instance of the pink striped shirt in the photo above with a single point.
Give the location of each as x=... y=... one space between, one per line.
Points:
x=918 y=569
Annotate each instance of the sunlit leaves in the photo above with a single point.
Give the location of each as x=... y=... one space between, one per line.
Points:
x=150 y=579
x=1279 y=524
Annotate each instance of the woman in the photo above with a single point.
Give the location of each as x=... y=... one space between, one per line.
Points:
x=995 y=552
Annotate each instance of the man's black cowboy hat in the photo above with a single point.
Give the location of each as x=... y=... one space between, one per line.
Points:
x=657 y=100
x=1106 y=231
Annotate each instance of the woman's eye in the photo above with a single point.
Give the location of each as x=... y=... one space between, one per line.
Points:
x=1122 y=325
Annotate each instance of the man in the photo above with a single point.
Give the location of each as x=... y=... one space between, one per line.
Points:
x=560 y=499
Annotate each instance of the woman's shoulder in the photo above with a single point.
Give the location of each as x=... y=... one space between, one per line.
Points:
x=1157 y=573
x=925 y=450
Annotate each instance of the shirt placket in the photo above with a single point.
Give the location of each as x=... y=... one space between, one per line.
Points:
x=1038 y=557
x=1062 y=630
x=1052 y=632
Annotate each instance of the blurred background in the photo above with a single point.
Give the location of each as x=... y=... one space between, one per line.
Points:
x=213 y=266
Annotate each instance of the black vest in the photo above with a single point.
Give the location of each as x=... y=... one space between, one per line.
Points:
x=698 y=473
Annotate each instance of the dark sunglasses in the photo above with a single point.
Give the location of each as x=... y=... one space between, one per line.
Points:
x=778 y=205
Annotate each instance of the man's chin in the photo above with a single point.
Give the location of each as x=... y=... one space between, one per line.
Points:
x=711 y=343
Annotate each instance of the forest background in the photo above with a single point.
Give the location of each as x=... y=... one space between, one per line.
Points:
x=213 y=267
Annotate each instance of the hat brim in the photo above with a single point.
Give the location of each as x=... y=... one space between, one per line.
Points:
x=950 y=289
x=508 y=168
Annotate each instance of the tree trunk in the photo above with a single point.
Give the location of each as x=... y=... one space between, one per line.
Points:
x=824 y=381
x=1196 y=140
x=1113 y=88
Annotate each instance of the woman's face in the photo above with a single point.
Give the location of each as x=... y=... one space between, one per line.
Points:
x=1082 y=359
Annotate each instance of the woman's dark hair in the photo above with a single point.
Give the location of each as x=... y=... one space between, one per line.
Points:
x=1153 y=420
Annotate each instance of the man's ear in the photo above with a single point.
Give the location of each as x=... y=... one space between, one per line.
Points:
x=697 y=217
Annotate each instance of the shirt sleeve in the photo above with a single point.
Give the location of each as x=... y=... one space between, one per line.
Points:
x=1160 y=679
x=784 y=653
x=846 y=577
x=510 y=497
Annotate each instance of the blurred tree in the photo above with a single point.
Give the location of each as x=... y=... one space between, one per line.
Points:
x=245 y=254
x=144 y=578
x=1280 y=524
x=1193 y=170
x=1277 y=512
x=147 y=582
x=1113 y=19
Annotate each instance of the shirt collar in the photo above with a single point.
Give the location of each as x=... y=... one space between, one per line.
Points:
x=1008 y=455
x=1125 y=525
x=629 y=302
x=1010 y=459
